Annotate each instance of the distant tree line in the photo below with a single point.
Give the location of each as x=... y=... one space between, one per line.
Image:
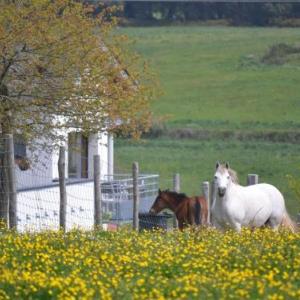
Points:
x=237 y=13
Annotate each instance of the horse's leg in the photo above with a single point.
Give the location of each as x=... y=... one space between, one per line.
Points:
x=274 y=224
x=180 y=224
x=190 y=214
x=236 y=226
x=216 y=224
x=204 y=217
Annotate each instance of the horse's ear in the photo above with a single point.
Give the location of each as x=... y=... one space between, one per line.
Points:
x=159 y=191
x=227 y=165
x=217 y=165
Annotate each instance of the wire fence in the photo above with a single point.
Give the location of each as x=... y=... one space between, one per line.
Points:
x=38 y=194
x=117 y=194
x=38 y=207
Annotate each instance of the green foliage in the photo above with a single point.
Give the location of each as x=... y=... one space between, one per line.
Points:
x=241 y=13
x=62 y=68
x=294 y=184
x=278 y=54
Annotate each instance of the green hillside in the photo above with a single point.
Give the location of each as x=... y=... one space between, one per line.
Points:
x=214 y=81
x=206 y=74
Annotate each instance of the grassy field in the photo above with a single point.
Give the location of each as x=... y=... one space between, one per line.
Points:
x=123 y=265
x=206 y=77
x=213 y=80
x=195 y=161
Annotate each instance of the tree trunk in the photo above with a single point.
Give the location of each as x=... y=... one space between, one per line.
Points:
x=5 y=128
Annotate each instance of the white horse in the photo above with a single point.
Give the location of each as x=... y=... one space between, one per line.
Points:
x=252 y=206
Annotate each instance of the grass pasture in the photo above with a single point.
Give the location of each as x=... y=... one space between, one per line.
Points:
x=124 y=265
x=195 y=161
x=221 y=103
x=210 y=74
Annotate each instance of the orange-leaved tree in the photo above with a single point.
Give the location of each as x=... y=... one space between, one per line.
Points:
x=62 y=67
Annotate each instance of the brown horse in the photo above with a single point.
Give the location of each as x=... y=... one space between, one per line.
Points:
x=188 y=210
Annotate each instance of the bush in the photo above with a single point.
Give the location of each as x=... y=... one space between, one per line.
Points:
x=278 y=54
x=289 y=22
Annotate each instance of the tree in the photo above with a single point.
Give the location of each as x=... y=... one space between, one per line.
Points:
x=61 y=67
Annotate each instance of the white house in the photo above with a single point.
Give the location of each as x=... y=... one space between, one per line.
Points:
x=38 y=191
x=38 y=196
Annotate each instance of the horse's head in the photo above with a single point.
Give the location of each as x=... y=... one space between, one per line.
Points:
x=224 y=176
x=22 y=162
x=161 y=202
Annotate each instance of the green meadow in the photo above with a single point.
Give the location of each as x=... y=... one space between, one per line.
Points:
x=219 y=102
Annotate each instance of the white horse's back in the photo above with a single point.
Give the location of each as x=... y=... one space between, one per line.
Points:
x=253 y=206
x=267 y=198
x=275 y=196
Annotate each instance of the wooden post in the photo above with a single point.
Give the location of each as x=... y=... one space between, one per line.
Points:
x=11 y=180
x=206 y=194
x=97 y=193
x=136 y=196
x=176 y=183
x=62 y=188
x=4 y=188
x=252 y=179
x=213 y=198
x=176 y=188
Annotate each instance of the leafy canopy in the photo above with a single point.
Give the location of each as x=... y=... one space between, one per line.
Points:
x=61 y=67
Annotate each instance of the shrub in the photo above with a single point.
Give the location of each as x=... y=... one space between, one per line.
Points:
x=278 y=53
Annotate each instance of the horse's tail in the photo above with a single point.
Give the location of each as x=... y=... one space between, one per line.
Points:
x=288 y=223
x=197 y=211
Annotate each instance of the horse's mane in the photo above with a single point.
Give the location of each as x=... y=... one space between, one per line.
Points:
x=177 y=196
x=232 y=173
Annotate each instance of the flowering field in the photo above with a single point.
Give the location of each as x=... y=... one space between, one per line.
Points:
x=153 y=265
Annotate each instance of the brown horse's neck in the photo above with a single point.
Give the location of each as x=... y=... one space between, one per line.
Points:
x=174 y=200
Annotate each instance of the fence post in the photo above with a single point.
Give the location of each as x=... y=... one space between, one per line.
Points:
x=10 y=180
x=213 y=198
x=4 y=194
x=176 y=182
x=136 y=196
x=252 y=179
x=206 y=194
x=62 y=188
x=97 y=193
x=176 y=188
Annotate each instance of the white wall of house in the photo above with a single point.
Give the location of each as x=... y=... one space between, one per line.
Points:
x=38 y=209
x=40 y=172
x=98 y=146
x=44 y=170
